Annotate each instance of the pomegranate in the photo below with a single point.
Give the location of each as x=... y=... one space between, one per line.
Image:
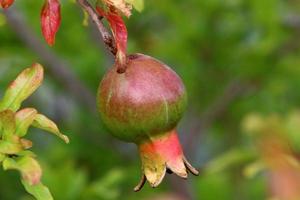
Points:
x=143 y=105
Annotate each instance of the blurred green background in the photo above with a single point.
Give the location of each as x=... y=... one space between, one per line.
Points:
x=240 y=61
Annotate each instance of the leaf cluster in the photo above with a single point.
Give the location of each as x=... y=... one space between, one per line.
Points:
x=14 y=126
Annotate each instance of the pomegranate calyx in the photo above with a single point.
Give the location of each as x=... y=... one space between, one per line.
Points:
x=161 y=154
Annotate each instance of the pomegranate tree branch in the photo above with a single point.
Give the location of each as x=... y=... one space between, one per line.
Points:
x=106 y=36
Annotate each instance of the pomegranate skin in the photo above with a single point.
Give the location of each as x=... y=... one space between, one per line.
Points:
x=143 y=105
x=147 y=99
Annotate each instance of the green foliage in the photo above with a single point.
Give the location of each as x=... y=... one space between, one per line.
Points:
x=286 y=126
x=14 y=126
x=20 y=89
x=229 y=159
x=137 y=4
x=211 y=44
x=39 y=190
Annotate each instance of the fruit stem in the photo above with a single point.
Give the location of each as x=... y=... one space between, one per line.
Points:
x=121 y=61
x=121 y=69
x=106 y=36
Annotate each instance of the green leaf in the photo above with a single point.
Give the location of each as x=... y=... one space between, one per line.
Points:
x=30 y=169
x=46 y=124
x=9 y=163
x=106 y=188
x=7 y=118
x=24 y=119
x=292 y=126
x=253 y=123
x=254 y=168
x=26 y=153
x=2 y=157
x=1 y=126
x=39 y=191
x=137 y=4
x=8 y=147
x=22 y=87
x=229 y=159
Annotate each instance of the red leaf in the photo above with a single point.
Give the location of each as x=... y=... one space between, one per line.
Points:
x=119 y=31
x=100 y=11
x=6 y=3
x=50 y=20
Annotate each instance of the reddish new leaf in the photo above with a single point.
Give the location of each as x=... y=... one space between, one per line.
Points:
x=6 y=3
x=50 y=20
x=119 y=31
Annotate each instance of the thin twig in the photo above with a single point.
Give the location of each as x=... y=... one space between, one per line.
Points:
x=106 y=36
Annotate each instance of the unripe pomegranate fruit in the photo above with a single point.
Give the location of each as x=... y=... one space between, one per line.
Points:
x=143 y=105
